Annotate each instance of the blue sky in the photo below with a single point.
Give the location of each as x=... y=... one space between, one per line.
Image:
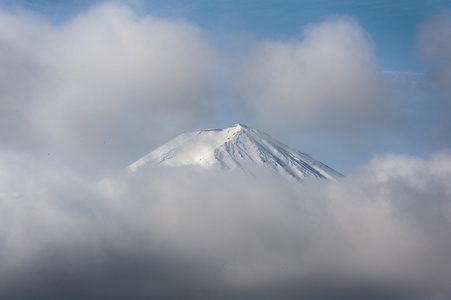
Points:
x=389 y=31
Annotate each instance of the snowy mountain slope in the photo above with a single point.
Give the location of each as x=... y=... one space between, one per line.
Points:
x=237 y=148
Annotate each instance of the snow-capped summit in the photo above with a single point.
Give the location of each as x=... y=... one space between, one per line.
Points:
x=236 y=148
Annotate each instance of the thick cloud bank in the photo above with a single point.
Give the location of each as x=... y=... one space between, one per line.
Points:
x=171 y=234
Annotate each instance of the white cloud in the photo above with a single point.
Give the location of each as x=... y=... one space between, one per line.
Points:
x=105 y=75
x=325 y=79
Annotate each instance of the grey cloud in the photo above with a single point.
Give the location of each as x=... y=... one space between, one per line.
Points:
x=177 y=233
x=435 y=49
x=22 y=57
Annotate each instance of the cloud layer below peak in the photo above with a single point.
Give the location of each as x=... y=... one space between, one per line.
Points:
x=172 y=233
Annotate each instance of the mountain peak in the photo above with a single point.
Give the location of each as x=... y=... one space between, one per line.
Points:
x=230 y=130
x=236 y=148
x=239 y=126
